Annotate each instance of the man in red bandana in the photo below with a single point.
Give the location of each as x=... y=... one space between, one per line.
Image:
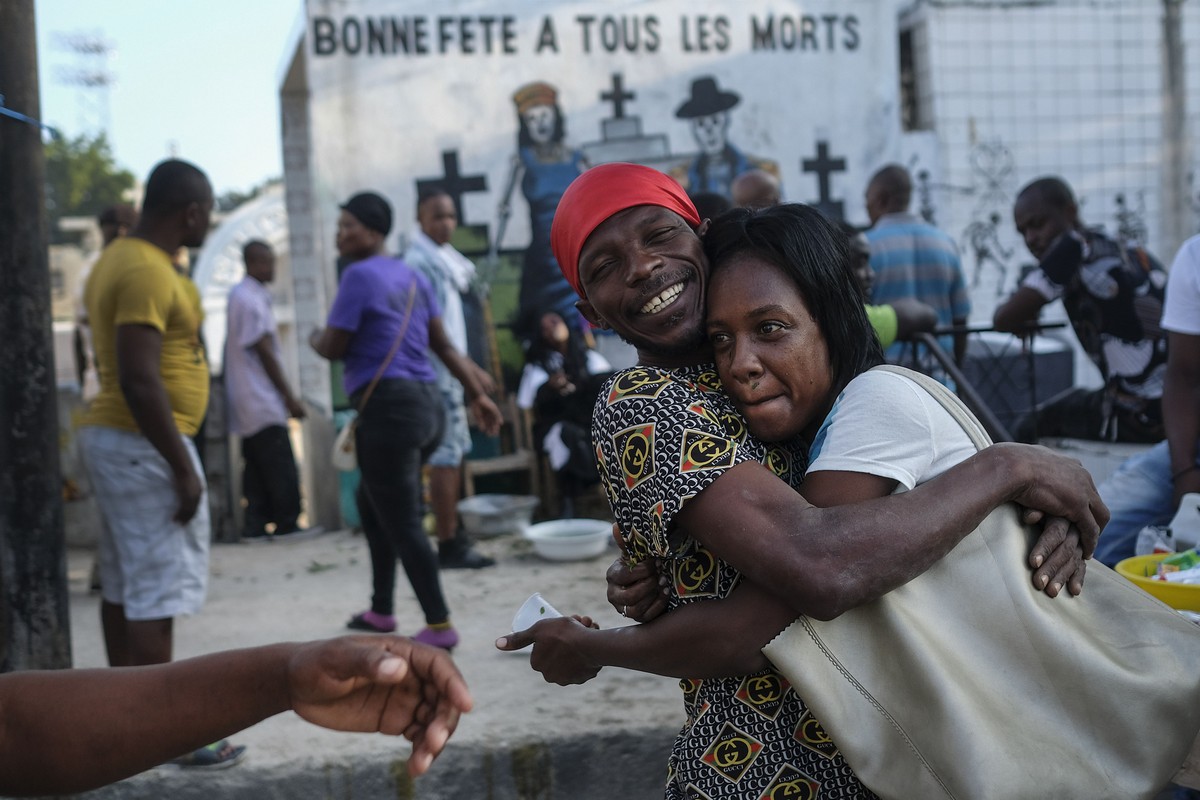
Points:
x=692 y=489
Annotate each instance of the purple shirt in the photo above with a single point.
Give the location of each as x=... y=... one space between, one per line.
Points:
x=370 y=303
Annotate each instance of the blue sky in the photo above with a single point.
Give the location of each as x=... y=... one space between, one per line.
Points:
x=195 y=76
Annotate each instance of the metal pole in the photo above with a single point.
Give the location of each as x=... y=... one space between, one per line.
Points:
x=34 y=623
x=1177 y=159
x=966 y=390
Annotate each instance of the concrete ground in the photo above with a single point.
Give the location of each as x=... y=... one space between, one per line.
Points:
x=526 y=739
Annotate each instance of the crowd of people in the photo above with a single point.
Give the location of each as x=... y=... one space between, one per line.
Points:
x=756 y=324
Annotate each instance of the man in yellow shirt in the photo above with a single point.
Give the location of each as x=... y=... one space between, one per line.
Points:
x=149 y=486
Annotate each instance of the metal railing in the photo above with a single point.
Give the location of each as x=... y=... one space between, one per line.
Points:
x=992 y=357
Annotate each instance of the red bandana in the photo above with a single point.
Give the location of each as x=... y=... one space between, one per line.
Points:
x=599 y=193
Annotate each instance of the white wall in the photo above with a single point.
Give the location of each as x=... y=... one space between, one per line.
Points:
x=1069 y=88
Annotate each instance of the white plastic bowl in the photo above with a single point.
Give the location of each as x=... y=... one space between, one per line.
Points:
x=486 y=515
x=570 y=539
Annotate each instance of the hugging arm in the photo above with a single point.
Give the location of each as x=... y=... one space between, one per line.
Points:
x=824 y=561
x=724 y=638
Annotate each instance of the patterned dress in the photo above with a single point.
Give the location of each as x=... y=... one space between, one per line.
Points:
x=661 y=437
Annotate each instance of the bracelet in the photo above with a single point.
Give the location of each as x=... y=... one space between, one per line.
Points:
x=1183 y=472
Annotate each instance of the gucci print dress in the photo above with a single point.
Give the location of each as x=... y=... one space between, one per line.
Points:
x=661 y=437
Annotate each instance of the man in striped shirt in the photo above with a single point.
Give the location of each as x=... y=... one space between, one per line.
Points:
x=913 y=259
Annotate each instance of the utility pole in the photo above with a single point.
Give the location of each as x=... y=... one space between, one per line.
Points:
x=1176 y=156
x=34 y=623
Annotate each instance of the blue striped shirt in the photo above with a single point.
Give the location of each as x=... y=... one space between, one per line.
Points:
x=914 y=259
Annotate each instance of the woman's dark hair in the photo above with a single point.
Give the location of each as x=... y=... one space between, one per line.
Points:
x=544 y=354
x=560 y=129
x=812 y=252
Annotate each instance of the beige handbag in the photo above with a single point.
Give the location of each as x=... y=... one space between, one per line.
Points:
x=967 y=683
x=344 y=456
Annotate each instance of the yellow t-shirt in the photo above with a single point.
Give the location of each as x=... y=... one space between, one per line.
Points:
x=134 y=283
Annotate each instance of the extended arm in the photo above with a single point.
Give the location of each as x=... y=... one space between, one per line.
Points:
x=912 y=316
x=700 y=640
x=1181 y=411
x=139 y=348
x=1019 y=312
x=69 y=730
x=274 y=370
x=330 y=343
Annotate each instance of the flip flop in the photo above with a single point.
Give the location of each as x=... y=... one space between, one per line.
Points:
x=218 y=755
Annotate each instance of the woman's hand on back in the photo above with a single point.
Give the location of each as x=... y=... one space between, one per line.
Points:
x=636 y=590
x=1056 y=558
x=1058 y=486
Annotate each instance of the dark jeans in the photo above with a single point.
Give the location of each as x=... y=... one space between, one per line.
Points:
x=397 y=431
x=270 y=482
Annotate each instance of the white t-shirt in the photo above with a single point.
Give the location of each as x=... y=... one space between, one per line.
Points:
x=1181 y=311
x=534 y=375
x=253 y=401
x=885 y=424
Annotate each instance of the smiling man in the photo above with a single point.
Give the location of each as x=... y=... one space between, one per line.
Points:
x=690 y=486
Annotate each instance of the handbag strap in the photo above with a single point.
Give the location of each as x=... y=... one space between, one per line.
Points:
x=948 y=400
x=412 y=296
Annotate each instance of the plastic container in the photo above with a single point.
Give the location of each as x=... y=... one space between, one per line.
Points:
x=533 y=610
x=1141 y=570
x=485 y=515
x=570 y=539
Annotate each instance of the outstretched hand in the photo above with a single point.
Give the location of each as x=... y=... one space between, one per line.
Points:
x=384 y=684
x=557 y=653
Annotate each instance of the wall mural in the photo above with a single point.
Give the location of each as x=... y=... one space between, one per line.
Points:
x=983 y=237
x=530 y=94
x=545 y=164
x=544 y=167
x=992 y=170
x=708 y=111
x=1131 y=220
x=925 y=205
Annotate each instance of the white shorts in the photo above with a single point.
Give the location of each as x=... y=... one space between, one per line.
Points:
x=150 y=564
x=456 y=436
